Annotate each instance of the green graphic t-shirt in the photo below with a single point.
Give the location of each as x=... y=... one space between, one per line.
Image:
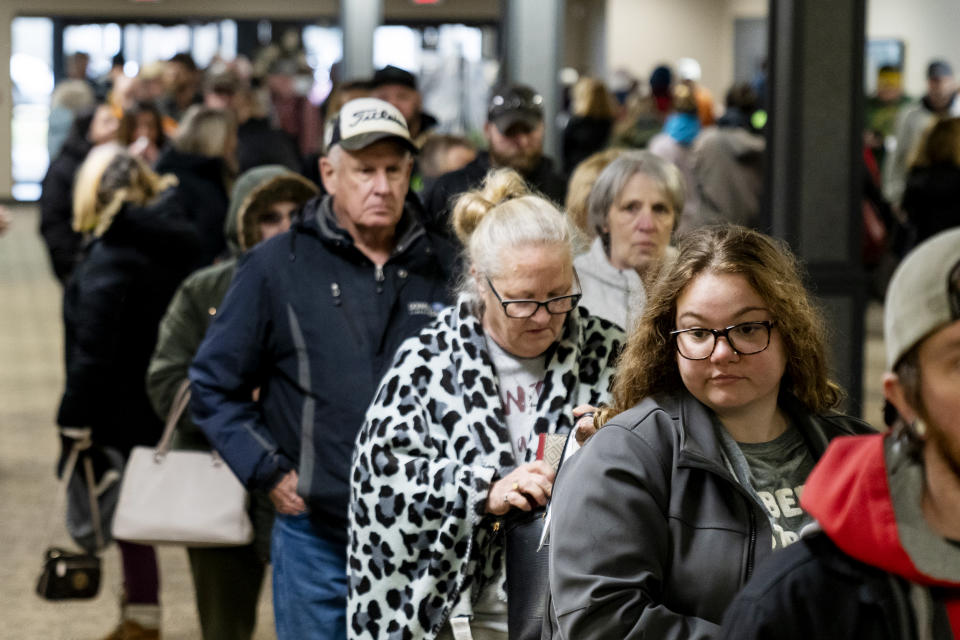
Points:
x=777 y=471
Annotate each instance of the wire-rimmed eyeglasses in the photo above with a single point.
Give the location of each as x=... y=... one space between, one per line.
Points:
x=745 y=338
x=528 y=308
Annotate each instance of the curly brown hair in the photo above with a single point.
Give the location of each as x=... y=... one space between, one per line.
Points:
x=648 y=364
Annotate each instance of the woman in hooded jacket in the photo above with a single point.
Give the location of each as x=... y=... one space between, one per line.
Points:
x=139 y=250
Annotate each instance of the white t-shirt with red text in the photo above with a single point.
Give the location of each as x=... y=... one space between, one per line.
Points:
x=521 y=381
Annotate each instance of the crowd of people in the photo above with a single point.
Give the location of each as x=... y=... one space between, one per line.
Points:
x=912 y=156
x=405 y=347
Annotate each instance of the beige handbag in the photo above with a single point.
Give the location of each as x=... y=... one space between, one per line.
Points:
x=189 y=498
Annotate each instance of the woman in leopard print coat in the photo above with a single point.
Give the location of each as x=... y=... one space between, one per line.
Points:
x=443 y=453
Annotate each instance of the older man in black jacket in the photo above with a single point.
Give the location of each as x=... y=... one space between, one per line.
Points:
x=312 y=319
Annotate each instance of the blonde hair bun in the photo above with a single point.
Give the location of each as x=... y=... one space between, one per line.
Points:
x=471 y=207
x=503 y=214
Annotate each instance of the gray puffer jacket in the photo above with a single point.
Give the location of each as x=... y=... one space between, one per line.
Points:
x=651 y=535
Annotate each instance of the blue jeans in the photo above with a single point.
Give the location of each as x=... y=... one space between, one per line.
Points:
x=309 y=582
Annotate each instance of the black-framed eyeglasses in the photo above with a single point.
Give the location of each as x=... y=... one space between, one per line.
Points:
x=527 y=308
x=745 y=338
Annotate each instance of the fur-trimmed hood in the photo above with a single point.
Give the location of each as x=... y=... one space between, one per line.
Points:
x=252 y=192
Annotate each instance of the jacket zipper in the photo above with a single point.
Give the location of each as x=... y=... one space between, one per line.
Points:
x=707 y=465
x=378 y=277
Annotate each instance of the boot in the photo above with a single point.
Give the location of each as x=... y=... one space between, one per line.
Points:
x=137 y=622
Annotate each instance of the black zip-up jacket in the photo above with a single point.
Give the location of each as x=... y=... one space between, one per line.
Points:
x=932 y=200
x=313 y=323
x=56 y=205
x=202 y=192
x=651 y=535
x=582 y=137
x=258 y=144
x=814 y=590
x=111 y=309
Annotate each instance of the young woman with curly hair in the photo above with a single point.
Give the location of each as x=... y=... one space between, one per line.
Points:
x=721 y=406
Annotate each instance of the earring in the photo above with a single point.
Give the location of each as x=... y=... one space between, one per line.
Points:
x=920 y=428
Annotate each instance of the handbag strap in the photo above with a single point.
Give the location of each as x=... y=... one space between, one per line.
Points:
x=460 y=627
x=94 y=505
x=81 y=437
x=180 y=402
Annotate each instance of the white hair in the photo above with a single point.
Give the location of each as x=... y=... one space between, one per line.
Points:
x=503 y=215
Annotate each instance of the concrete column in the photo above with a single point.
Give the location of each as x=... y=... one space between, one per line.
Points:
x=815 y=162
x=358 y=19
x=247 y=41
x=534 y=51
x=585 y=40
x=6 y=102
x=59 y=64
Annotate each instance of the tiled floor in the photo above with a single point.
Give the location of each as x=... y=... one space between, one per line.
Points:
x=31 y=380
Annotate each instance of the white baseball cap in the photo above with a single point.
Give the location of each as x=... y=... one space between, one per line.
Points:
x=924 y=294
x=364 y=121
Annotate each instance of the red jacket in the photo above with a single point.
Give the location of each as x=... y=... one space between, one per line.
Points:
x=849 y=495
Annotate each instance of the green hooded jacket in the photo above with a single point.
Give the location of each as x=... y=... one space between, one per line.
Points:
x=195 y=303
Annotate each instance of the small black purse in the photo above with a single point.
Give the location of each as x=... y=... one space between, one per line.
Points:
x=527 y=563
x=527 y=579
x=72 y=575
x=67 y=575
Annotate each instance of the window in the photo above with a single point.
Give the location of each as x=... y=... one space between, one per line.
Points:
x=455 y=75
x=31 y=69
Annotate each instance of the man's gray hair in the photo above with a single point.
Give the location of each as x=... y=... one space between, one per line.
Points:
x=333 y=155
x=615 y=176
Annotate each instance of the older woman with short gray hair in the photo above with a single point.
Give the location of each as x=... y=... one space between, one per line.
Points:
x=634 y=206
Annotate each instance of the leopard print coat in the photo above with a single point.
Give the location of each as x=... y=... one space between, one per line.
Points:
x=433 y=441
